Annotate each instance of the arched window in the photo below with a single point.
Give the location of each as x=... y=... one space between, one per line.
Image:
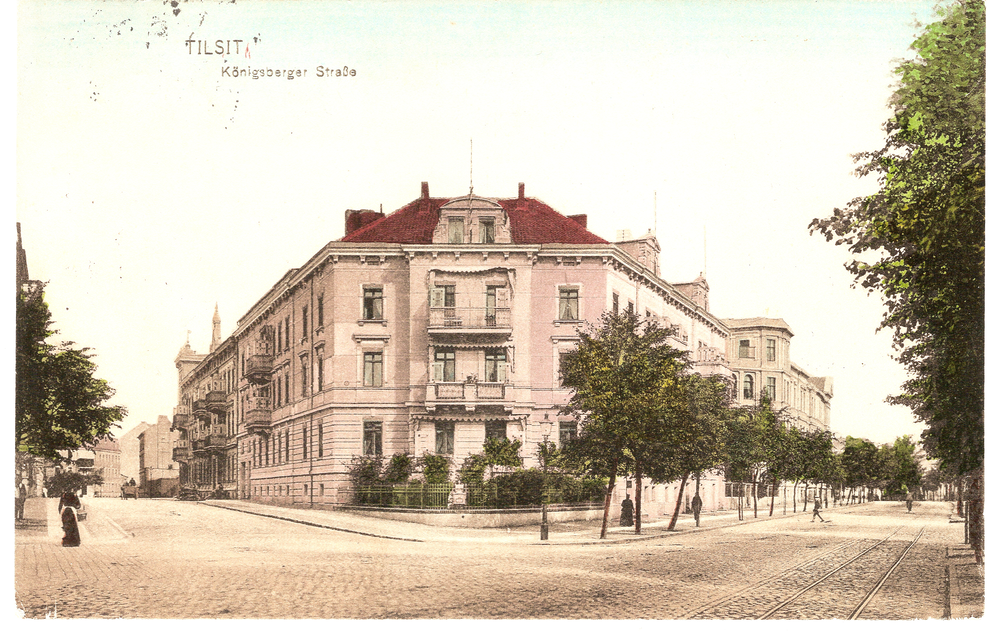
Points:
x=747 y=386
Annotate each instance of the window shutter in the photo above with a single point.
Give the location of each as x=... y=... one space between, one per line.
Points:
x=501 y=373
x=503 y=297
x=438 y=371
x=437 y=297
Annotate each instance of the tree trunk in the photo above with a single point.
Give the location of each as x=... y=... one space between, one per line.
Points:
x=961 y=494
x=774 y=491
x=638 y=498
x=607 y=499
x=754 y=489
x=677 y=505
x=805 y=498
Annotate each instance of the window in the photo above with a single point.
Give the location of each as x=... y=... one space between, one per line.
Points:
x=319 y=312
x=569 y=304
x=305 y=322
x=614 y=303
x=288 y=390
x=487 y=235
x=746 y=352
x=444 y=365
x=277 y=341
x=288 y=332
x=495 y=295
x=372 y=304
x=320 y=351
x=631 y=308
x=444 y=438
x=748 y=386
x=443 y=296
x=567 y=432
x=456 y=230
x=496 y=366
x=277 y=391
x=288 y=447
x=319 y=441
x=305 y=443
x=771 y=350
x=496 y=429
x=373 y=369
x=304 y=369
x=563 y=356
x=771 y=387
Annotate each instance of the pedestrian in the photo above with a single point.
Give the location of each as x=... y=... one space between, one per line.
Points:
x=68 y=505
x=816 y=507
x=696 y=508
x=627 y=509
x=909 y=501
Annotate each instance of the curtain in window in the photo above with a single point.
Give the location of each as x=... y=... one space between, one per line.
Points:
x=444 y=436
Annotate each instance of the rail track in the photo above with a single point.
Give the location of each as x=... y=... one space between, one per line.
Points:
x=836 y=584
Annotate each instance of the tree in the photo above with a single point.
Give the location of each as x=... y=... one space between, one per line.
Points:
x=926 y=230
x=62 y=481
x=752 y=439
x=624 y=376
x=59 y=404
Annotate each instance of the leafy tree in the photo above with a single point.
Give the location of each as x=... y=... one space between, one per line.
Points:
x=63 y=481
x=502 y=452
x=752 y=442
x=905 y=473
x=623 y=374
x=696 y=435
x=59 y=404
x=926 y=230
x=862 y=465
x=473 y=469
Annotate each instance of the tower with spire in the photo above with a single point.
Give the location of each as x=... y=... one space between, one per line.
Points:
x=216 y=330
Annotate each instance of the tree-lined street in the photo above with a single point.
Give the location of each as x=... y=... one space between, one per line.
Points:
x=169 y=559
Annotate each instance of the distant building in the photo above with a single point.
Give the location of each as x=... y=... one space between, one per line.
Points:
x=158 y=473
x=759 y=352
x=129 y=443
x=107 y=463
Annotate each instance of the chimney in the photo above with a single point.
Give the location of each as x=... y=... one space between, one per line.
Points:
x=520 y=191
x=580 y=219
x=425 y=191
x=354 y=219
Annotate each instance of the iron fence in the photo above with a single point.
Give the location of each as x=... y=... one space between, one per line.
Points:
x=416 y=495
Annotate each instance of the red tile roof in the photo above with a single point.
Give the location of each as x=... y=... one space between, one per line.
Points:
x=531 y=222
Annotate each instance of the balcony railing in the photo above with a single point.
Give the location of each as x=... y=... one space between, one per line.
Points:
x=258 y=368
x=464 y=318
x=258 y=414
x=468 y=394
x=182 y=451
x=209 y=443
x=181 y=421
x=216 y=402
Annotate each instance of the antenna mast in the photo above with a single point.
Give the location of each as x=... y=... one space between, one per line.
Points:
x=470 y=167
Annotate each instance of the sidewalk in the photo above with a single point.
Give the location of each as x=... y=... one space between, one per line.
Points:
x=576 y=533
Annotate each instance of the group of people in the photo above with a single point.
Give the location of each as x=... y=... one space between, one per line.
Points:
x=628 y=510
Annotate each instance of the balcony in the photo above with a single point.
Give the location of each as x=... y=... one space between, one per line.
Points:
x=469 y=395
x=257 y=418
x=210 y=443
x=181 y=421
x=216 y=402
x=258 y=368
x=182 y=451
x=469 y=321
x=200 y=408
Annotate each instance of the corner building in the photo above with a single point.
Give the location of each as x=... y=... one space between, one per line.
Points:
x=427 y=330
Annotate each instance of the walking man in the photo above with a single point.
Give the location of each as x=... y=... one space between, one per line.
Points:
x=696 y=509
x=909 y=501
x=816 y=507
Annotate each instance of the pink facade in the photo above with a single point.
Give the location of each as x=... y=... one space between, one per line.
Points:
x=421 y=331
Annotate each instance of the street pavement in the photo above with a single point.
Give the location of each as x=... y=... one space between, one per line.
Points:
x=169 y=559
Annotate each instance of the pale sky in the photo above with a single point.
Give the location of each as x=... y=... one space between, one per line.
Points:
x=151 y=187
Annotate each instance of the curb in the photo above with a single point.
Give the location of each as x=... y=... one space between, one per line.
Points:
x=314 y=524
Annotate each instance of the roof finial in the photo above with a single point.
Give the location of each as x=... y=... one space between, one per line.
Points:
x=654 y=213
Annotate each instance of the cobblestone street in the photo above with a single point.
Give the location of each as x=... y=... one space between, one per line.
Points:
x=169 y=559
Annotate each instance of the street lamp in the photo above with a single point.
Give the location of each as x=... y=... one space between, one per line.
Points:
x=545 y=488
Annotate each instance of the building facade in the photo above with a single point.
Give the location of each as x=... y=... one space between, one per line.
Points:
x=759 y=353
x=427 y=330
x=158 y=472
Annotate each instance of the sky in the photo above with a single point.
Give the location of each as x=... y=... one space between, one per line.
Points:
x=152 y=185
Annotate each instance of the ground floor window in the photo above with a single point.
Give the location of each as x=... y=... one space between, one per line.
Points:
x=496 y=429
x=372 y=443
x=567 y=431
x=444 y=438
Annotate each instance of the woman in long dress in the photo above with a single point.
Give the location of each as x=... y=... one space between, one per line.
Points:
x=68 y=504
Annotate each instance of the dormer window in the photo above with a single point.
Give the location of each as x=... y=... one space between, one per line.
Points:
x=456 y=230
x=487 y=234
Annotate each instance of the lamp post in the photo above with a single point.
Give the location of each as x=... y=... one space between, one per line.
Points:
x=545 y=488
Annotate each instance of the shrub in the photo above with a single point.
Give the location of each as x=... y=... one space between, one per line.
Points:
x=399 y=469
x=472 y=469
x=435 y=468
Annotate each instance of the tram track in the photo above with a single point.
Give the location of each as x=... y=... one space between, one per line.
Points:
x=838 y=584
